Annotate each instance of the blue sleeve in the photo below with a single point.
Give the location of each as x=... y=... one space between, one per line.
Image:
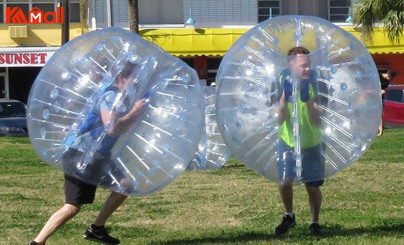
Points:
x=107 y=101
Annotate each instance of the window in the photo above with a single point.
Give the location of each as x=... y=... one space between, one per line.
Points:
x=75 y=11
x=12 y=109
x=268 y=8
x=339 y=10
x=1 y=13
x=43 y=5
x=3 y=92
x=395 y=95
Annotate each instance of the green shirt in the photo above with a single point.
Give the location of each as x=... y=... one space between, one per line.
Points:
x=310 y=135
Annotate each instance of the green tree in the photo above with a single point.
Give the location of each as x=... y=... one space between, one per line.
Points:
x=368 y=14
x=133 y=16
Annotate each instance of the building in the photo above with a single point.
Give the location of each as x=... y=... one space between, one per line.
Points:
x=25 y=47
x=218 y=23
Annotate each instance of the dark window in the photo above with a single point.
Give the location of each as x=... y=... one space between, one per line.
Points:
x=265 y=12
x=268 y=4
x=395 y=96
x=2 y=87
x=74 y=12
x=339 y=10
x=12 y=109
x=1 y=14
x=268 y=9
x=338 y=3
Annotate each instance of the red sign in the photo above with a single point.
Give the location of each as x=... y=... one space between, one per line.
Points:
x=15 y=15
x=24 y=59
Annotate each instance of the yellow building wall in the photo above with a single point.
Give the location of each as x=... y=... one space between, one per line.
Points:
x=38 y=35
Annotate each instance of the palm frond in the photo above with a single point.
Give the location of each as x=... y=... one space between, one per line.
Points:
x=369 y=13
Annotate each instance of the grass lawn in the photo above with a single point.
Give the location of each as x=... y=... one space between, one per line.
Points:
x=362 y=205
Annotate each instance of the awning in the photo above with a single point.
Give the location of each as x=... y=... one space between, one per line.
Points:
x=216 y=41
x=191 y=42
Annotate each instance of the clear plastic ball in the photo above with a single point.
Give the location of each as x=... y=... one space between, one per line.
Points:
x=344 y=90
x=212 y=152
x=144 y=155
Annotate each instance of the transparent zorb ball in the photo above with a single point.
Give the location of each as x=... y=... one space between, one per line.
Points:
x=256 y=79
x=212 y=152
x=107 y=72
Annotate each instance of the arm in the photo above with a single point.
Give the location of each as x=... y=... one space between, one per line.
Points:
x=282 y=110
x=121 y=124
x=314 y=112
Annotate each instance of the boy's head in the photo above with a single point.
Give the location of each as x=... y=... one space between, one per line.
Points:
x=126 y=75
x=390 y=75
x=299 y=62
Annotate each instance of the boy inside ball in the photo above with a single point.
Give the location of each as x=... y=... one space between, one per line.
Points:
x=299 y=138
x=78 y=192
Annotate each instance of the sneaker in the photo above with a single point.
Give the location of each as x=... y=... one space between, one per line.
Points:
x=315 y=229
x=287 y=223
x=36 y=243
x=99 y=235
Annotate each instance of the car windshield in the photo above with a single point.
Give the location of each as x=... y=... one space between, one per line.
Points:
x=12 y=109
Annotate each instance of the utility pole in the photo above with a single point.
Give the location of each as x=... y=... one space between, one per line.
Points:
x=66 y=21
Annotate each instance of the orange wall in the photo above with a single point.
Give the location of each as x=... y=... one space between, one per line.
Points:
x=393 y=62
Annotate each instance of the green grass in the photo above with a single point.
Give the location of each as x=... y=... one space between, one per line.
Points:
x=364 y=204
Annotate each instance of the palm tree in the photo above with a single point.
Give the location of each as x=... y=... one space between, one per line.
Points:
x=390 y=13
x=133 y=16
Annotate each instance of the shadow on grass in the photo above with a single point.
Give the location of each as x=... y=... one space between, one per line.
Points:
x=393 y=228
x=227 y=238
x=299 y=234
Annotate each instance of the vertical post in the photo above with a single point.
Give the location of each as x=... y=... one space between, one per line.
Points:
x=93 y=19
x=66 y=21
x=110 y=13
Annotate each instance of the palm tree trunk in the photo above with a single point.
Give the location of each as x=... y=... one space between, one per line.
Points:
x=133 y=16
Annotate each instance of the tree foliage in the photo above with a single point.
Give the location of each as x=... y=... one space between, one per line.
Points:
x=389 y=13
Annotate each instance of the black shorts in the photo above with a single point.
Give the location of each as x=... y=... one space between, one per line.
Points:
x=78 y=192
x=100 y=171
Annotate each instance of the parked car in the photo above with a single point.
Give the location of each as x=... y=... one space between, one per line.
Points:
x=13 y=121
x=393 y=110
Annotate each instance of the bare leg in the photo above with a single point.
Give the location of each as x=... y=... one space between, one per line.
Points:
x=58 y=219
x=286 y=192
x=380 y=128
x=315 y=199
x=113 y=202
